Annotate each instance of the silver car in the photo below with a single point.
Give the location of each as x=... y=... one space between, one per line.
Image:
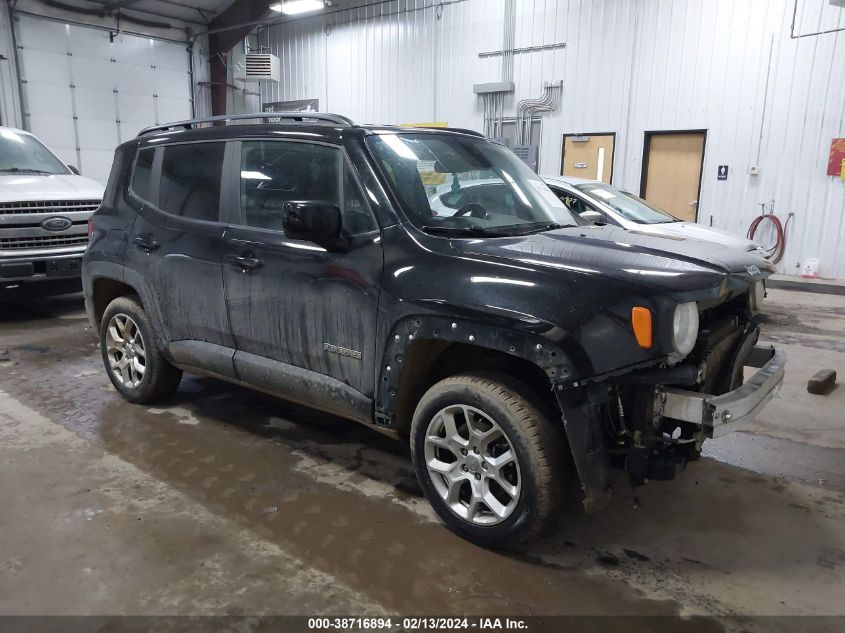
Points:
x=595 y=201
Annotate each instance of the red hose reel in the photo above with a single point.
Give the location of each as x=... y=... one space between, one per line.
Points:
x=774 y=253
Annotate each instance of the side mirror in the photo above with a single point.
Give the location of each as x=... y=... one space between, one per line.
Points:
x=73 y=169
x=592 y=216
x=312 y=221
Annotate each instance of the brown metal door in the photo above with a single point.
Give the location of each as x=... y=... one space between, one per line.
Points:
x=672 y=166
x=588 y=156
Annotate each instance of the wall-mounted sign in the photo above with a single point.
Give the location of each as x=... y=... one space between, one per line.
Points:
x=299 y=105
x=837 y=156
x=723 y=172
x=580 y=165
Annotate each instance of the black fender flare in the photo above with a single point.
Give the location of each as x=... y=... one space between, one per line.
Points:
x=128 y=277
x=94 y=271
x=530 y=346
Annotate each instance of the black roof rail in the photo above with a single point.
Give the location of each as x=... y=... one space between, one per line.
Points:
x=337 y=119
x=462 y=130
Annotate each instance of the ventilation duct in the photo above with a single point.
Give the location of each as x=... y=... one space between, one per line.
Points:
x=259 y=67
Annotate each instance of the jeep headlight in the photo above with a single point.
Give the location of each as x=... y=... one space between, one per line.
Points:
x=685 y=327
x=758 y=293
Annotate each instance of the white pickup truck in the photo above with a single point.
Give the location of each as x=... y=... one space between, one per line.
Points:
x=44 y=211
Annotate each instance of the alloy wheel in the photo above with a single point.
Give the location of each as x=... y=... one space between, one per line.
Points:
x=472 y=465
x=126 y=351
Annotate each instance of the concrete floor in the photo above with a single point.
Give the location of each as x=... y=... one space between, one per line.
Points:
x=225 y=501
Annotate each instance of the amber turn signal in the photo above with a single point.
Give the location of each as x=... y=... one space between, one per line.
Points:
x=641 y=321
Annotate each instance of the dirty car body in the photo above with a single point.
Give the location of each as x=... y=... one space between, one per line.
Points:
x=365 y=322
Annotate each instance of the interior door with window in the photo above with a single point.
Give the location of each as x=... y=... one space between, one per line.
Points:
x=176 y=241
x=588 y=156
x=291 y=302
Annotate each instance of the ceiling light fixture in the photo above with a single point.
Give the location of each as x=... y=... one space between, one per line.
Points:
x=295 y=7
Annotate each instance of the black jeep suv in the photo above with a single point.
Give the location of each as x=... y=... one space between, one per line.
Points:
x=498 y=336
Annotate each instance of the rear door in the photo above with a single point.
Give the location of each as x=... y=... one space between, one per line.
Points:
x=176 y=241
x=297 y=304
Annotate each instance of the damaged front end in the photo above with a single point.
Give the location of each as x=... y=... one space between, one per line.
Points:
x=651 y=422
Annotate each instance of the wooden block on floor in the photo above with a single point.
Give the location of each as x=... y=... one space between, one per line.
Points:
x=822 y=382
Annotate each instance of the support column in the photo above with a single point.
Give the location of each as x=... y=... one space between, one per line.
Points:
x=226 y=30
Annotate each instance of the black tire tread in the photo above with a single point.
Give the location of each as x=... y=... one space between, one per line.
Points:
x=543 y=441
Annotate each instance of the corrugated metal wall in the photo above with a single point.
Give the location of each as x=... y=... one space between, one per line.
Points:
x=87 y=90
x=202 y=77
x=630 y=66
x=10 y=100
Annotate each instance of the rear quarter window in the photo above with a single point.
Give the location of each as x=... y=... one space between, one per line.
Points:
x=142 y=174
x=190 y=180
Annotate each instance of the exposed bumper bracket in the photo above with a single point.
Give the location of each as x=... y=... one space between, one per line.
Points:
x=720 y=415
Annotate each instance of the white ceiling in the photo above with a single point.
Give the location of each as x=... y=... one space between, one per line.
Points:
x=202 y=11
x=192 y=11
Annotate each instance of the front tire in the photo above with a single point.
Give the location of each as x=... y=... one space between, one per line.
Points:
x=487 y=458
x=131 y=356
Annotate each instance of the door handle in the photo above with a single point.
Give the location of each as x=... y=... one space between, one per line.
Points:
x=694 y=203
x=244 y=262
x=146 y=242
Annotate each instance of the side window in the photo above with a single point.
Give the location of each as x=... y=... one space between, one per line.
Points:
x=276 y=172
x=190 y=180
x=142 y=173
x=577 y=205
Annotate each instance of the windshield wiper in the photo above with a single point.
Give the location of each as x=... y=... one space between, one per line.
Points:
x=537 y=227
x=18 y=170
x=463 y=230
x=508 y=230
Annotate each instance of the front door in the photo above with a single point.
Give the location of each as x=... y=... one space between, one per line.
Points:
x=292 y=303
x=588 y=156
x=176 y=242
x=672 y=172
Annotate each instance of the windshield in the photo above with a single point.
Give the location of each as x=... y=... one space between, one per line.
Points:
x=23 y=153
x=459 y=185
x=626 y=204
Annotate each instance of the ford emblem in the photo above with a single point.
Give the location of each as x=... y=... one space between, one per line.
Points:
x=752 y=270
x=56 y=224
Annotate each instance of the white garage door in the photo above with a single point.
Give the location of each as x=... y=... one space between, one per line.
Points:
x=84 y=94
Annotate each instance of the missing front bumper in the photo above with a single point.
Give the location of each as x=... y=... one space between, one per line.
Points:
x=720 y=415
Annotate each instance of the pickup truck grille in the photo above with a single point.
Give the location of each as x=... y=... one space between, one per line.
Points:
x=49 y=241
x=51 y=207
x=23 y=232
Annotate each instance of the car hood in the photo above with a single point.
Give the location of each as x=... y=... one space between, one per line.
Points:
x=665 y=262
x=20 y=188
x=700 y=232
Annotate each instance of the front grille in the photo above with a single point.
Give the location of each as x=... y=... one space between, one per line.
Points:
x=41 y=241
x=52 y=207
